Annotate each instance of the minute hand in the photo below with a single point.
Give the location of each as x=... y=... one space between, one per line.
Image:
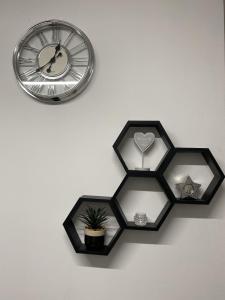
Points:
x=52 y=60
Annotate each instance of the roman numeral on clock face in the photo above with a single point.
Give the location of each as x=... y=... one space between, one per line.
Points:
x=79 y=48
x=51 y=90
x=68 y=39
x=66 y=86
x=30 y=48
x=29 y=75
x=55 y=35
x=77 y=76
x=27 y=62
x=79 y=62
x=37 y=87
x=42 y=39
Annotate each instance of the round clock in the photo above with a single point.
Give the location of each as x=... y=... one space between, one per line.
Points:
x=54 y=61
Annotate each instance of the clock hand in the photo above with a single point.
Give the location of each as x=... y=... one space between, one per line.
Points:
x=57 y=48
x=52 y=60
x=49 y=62
x=49 y=68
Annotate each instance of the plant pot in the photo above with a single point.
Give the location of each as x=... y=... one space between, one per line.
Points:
x=94 y=238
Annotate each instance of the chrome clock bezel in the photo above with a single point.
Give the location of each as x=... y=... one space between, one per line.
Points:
x=86 y=77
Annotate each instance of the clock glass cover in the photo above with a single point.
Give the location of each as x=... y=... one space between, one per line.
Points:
x=54 y=61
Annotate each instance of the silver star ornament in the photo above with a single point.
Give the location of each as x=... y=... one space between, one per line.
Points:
x=189 y=189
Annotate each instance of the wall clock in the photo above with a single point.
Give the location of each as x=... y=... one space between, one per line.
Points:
x=54 y=61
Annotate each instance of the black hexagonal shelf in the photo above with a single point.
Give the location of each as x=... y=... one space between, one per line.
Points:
x=75 y=229
x=129 y=154
x=200 y=165
x=167 y=176
x=145 y=194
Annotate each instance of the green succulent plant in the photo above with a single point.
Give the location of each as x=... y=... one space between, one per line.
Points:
x=94 y=218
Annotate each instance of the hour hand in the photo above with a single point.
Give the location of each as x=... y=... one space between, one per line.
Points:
x=42 y=67
x=57 y=48
x=52 y=60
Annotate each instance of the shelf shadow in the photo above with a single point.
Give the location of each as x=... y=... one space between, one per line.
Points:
x=115 y=260
x=172 y=227
x=214 y=210
x=121 y=253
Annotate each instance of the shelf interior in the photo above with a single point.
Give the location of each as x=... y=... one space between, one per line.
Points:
x=112 y=226
x=142 y=195
x=131 y=154
x=188 y=164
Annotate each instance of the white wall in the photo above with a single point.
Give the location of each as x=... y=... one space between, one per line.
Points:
x=155 y=60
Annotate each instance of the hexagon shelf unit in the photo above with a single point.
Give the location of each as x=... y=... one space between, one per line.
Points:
x=152 y=189
x=200 y=165
x=129 y=154
x=75 y=228
x=143 y=194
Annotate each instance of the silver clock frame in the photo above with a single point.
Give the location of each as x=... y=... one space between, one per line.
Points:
x=86 y=77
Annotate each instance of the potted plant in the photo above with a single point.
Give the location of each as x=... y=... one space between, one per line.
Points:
x=94 y=231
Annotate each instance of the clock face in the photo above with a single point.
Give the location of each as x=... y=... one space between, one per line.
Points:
x=54 y=61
